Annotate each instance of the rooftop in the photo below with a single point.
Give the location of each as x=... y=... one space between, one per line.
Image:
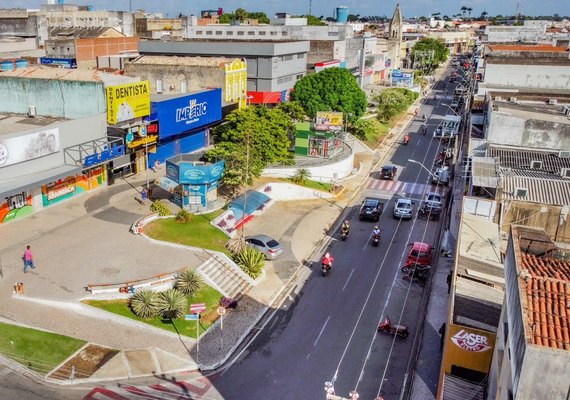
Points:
x=189 y=61
x=538 y=190
x=531 y=111
x=544 y=289
x=532 y=48
x=65 y=74
x=520 y=158
x=82 y=33
x=10 y=123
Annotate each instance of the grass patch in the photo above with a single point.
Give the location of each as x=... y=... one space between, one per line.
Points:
x=198 y=232
x=323 y=186
x=377 y=135
x=207 y=295
x=38 y=350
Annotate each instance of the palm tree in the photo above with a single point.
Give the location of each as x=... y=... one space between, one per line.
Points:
x=251 y=261
x=144 y=304
x=172 y=303
x=189 y=282
x=301 y=176
x=469 y=9
x=463 y=9
x=484 y=15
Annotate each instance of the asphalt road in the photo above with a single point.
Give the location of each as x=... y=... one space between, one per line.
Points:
x=326 y=330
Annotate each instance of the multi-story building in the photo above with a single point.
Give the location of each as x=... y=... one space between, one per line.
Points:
x=532 y=348
x=272 y=67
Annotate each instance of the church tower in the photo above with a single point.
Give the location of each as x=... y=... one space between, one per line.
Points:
x=395 y=38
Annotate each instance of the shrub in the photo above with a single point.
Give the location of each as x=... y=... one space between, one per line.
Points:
x=228 y=302
x=183 y=216
x=189 y=282
x=160 y=208
x=301 y=176
x=251 y=261
x=144 y=304
x=171 y=303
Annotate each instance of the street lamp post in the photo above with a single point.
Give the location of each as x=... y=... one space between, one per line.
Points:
x=421 y=165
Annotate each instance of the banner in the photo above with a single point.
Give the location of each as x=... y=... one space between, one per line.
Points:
x=329 y=121
x=128 y=101
x=28 y=147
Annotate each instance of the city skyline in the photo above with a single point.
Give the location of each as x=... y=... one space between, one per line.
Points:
x=410 y=9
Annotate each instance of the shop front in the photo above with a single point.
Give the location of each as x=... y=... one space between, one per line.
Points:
x=322 y=138
x=183 y=123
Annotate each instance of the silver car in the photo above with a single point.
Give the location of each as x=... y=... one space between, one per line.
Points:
x=403 y=209
x=265 y=244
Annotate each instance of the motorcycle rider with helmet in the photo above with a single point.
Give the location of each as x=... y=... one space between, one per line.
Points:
x=327 y=261
x=345 y=229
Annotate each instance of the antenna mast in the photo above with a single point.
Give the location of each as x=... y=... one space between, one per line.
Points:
x=310 y=6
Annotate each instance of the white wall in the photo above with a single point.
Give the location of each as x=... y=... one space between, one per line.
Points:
x=324 y=173
x=534 y=76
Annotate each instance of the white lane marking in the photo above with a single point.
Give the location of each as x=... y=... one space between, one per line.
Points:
x=367 y=241
x=322 y=330
x=308 y=355
x=346 y=283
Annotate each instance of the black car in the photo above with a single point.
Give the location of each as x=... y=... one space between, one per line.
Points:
x=388 y=172
x=371 y=209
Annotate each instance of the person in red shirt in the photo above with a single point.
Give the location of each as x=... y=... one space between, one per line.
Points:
x=328 y=260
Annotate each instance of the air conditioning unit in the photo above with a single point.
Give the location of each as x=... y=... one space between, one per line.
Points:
x=566 y=110
x=32 y=111
x=564 y=154
x=535 y=164
x=513 y=99
x=565 y=172
x=552 y=101
x=521 y=192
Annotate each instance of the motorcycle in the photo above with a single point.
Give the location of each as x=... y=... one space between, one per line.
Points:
x=326 y=268
x=406 y=139
x=419 y=274
x=398 y=330
x=375 y=240
x=424 y=131
x=429 y=213
x=411 y=265
x=344 y=233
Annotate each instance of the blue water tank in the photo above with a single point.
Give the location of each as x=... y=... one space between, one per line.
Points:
x=60 y=2
x=90 y=8
x=6 y=65
x=21 y=63
x=342 y=14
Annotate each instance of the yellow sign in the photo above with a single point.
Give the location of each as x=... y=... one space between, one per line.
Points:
x=142 y=141
x=235 y=88
x=128 y=101
x=328 y=121
x=468 y=348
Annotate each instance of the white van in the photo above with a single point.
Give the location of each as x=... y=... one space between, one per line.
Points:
x=441 y=175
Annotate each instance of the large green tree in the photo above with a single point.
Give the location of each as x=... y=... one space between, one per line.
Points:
x=241 y=15
x=333 y=89
x=429 y=62
x=392 y=102
x=249 y=140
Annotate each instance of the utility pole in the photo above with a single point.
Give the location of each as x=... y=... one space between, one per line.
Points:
x=310 y=6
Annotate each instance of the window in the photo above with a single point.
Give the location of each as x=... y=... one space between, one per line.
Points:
x=250 y=33
x=300 y=76
x=209 y=32
x=273 y=33
x=199 y=32
x=262 y=33
x=288 y=79
x=230 y=33
x=284 y=33
x=333 y=33
x=521 y=192
x=287 y=58
x=299 y=56
x=535 y=164
x=280 y=80
x=218 y=33
x=241 y=33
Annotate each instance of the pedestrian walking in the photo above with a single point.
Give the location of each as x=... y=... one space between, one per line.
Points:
x=442 y=334
x=144 y=196
x=28 y=259
x=449 y=277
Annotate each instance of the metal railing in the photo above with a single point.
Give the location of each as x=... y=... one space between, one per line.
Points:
x=305 y=162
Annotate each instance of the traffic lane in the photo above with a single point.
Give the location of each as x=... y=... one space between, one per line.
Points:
x=314 y=325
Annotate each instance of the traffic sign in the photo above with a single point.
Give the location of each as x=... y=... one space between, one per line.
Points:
x=197 y=308
x=221 y=310
x=192 y=317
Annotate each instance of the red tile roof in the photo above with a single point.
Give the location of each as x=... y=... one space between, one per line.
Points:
x=548 y=300
x=522 y=47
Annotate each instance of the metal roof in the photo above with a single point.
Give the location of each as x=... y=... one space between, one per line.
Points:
x=539 y=190
x=485 y=172
x=521 y=158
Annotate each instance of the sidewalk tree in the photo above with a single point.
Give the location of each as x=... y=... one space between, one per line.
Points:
x=333 y=89
x=392 y=102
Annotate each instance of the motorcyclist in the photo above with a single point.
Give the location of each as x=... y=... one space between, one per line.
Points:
x=407 y=138
x=424 y=130
x=424 y=118
x=376 y=231
x=327 y=260
x=345 y=227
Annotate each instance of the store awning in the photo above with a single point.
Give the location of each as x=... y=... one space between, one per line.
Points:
x=18 y=184
x=250 y=202
x=166 y=183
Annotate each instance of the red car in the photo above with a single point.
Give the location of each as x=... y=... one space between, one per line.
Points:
x=420 y=254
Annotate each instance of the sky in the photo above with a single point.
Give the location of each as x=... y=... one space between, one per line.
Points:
x=410 y=8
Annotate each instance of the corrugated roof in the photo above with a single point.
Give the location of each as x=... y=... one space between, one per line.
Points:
x=78 y=32
x=548 y=297
x=190 y=61
x=520 y=158
x=67 y=74
x=514 y=47
x=539 y=190
x=485 y=172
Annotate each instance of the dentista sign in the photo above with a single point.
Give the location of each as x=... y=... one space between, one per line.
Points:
x=469 y=341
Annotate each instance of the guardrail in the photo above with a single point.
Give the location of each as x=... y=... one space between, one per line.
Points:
x=127 y=287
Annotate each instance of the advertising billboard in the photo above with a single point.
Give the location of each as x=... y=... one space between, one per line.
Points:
x=329 y=121
x=185 y=113
x=468 y=348
x=62 y=62
x=400 y=78
x=128 y=101
x=28 y=147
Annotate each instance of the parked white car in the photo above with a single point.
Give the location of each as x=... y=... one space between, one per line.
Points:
x=403 y=209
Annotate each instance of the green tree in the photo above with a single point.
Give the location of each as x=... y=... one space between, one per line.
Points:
x=261 y=17
x=143 y=303
x=392 y=102
x=334 y=89
x=363 y=128
x=314 y=21
x=251 y=261
x=226 y=18
x=241 y=14
x=249 y=140
x=301 y=176
x=189 y=282
x=353 y=17
x=172 y=303
x=293 y=109
x=440 y=53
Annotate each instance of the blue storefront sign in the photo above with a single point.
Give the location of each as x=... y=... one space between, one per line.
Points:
x=104 y=156
x=62 y=62
x=186 y=113
x=400 y=78
x=187 y=173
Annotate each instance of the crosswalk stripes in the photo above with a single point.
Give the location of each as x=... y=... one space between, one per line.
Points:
x=176 y=390
x=409 y=188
